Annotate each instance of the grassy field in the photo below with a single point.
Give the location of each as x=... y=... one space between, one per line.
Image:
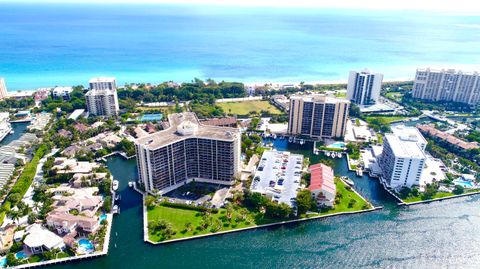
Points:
x=244 y=108
x=189 y=222
x=411 y=199
x=239 y=218
x=346 y=194
x=397 y=96
x=386 y=119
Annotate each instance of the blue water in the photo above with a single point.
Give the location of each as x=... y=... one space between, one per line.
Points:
x=151 y=117
x=85 y=245
x=338 y=145
x=20 y=255
x=3 y=262
x=464 y=183
x=102 y=217
x=62 y=44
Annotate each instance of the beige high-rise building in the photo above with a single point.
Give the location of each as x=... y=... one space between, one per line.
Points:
x=3 y=89
x=447 y=85
x=186 y=151
x=318 y=116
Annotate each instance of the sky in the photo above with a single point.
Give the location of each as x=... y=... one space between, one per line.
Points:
x=468 y=7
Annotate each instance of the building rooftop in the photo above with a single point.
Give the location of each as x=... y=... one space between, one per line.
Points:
x=408 y=133
x=319 y=98
x=76 y=113
x=38 y=236
x=185 y=125
x=322 y=178
x=404 y=149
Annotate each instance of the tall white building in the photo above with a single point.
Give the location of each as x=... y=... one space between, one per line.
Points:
x=447 y=85
x=102 y=99
x=186 y=151
x=364 y=87
x=102 y=83
x=403 y=158
x=3 y=89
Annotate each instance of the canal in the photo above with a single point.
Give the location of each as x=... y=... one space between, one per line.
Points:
x=436 y=235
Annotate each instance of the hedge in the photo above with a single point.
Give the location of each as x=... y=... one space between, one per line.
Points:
x=189 y=207
x=28 y=173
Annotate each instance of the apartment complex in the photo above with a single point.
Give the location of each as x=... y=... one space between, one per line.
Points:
x=318 y=116
x=364 y=87
x=403 y=157
x=102 y=83
x=102 y=99
x=3 y=89
x=186 y=151
x=447 y=85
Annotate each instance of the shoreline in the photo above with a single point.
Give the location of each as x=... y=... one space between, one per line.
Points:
x=247 y=83
x=280 y=223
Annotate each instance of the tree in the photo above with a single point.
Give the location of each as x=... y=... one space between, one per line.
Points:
x=459 y=189
x=304 y=201
x=14 y=215
x=150 y=202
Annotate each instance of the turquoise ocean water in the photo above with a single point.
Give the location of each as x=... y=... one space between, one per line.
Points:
x=54 y=44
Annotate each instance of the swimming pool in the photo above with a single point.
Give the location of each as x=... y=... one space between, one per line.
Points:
x=464 y=183
x=102 y=217
x=337 y=145
x=20 y=255
x=85 y=245
x=3 y=262
x=152 y=117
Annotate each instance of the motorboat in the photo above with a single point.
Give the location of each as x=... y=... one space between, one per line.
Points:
x=115 y=185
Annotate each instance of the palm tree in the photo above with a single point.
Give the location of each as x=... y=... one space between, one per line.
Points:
x=14 y=215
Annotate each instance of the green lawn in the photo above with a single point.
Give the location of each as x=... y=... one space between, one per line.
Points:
x=397 y=96
x=239 y=218
x=411 y=199
x=346 y=196
x=179 y=217
x=386 y=119
x=244 y=108
x=341 y=94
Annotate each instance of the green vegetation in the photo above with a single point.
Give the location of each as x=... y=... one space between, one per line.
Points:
x=12 y=103
x=249 y=107
x=23 y=183
x=431 y=192
x=172 y=221
x=76 y=101
x=353 y=151
x=346 y=200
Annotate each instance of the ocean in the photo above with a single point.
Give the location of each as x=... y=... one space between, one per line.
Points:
x=44 y=45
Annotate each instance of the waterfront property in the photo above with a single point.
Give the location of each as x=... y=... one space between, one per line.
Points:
x=402 y=161
x=186 y=151
x=364 y=87
x=278 y=176
x=322 y=185
x=39 y=239
x=447 y=85
x=457 y=142
x=318 y=116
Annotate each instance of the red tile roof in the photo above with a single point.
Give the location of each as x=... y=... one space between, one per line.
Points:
x=429 y=129
x=322 y=177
